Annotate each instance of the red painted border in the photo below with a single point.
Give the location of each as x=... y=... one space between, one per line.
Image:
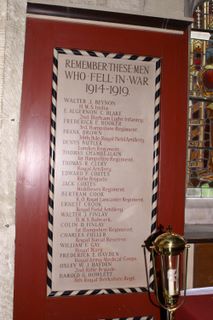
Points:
x=30 y=301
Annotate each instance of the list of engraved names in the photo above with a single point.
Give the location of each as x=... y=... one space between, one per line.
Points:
x=103 y=172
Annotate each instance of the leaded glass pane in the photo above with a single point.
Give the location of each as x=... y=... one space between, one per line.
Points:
x=200 y=126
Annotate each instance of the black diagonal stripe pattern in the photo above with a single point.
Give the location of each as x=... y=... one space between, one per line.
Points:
x=53 y=109
x=155 y=161
x=54 y=94
x=148 y=58
x=156 y=167
x=49 y=282
x=50 y=251
x=153 y=227
x=157 y=94
x=49 y=266
x=52 y=161
x=52 y=170
x=133 y=57
x=77 y=52
x=53 y=125
x=52 y=173
x=55 y=62
x=157 y=108
x=52 y=293
x=50 y=234
x=55 y=79
x=157 y=80
x=118 y=56
x=60 y=50
x=92 y=53
x=51 y=186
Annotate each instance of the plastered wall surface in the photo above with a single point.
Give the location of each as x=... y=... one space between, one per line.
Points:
x=11 y=57
x=12 y=32
x=175 y=9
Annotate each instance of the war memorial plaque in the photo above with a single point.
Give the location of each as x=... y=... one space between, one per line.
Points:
x=104 y=133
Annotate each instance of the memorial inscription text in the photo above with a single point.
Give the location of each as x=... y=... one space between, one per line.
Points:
x=103 y=171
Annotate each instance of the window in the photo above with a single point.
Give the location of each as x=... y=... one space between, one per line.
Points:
x=199 y=195
x=200 y=128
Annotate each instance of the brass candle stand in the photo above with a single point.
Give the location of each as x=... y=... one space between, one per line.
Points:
x=169 y=256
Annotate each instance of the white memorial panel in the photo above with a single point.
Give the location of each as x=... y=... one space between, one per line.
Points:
x=104 y=110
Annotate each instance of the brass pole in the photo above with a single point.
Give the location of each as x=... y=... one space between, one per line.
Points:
x=170 y=315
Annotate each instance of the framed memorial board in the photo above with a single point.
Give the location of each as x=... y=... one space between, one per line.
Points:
x=90 y=136
x=104 y=132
